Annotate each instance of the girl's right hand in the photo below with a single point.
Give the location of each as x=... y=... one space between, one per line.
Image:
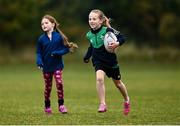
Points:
x=40 y=67
x=86 y=60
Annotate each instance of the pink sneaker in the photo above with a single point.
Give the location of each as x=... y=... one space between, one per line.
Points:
x=48 y=110
x=102 y=108
x=126 y=108
x=62 y=109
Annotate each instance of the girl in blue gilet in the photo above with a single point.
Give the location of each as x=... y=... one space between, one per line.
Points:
x=51 y=46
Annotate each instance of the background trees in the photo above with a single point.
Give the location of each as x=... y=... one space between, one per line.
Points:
x=145 y=22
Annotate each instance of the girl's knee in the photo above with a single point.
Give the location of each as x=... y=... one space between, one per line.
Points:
x=99 y=81
x=118 y=84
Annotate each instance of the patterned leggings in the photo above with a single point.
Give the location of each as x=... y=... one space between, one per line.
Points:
x=48 y=78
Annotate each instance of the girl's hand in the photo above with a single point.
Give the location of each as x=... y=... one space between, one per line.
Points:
x=113 y=45
x=86 y=60
x=40 y=67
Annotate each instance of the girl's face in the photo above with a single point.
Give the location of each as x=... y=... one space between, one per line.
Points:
x=46 y=25
x=94 y=21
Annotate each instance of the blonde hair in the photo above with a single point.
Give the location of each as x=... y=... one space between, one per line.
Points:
x=102 y=17
x=70 y=45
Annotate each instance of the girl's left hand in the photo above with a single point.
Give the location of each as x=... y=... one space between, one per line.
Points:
x=113 y=44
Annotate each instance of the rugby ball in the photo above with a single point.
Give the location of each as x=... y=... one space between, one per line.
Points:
x=108 y=38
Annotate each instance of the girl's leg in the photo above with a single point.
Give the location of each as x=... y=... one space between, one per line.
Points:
x=100 y=85
x=122 y=88
x=60 y=90
x=59 y=86
x=47 y=91
x=101 y=90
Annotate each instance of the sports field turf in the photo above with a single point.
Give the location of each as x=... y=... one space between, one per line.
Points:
x=154 y=90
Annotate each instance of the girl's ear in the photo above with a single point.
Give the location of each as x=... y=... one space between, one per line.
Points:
x=101 y=21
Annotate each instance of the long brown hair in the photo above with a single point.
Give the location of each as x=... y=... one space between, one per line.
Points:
x=102 y=16
x=70 y=45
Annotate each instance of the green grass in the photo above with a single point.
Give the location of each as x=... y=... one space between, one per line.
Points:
x=154 y=90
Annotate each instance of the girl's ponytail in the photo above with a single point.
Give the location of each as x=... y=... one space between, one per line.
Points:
x=107 y=22
x=70 y=45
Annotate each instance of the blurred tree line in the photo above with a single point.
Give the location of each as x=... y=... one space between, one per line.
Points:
x=154 y=23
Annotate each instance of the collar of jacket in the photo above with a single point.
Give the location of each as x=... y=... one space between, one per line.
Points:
x=96 y=31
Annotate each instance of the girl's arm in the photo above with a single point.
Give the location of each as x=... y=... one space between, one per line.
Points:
x=61 y=52
x=39 y=61
x=120 y=37
x=88 y=54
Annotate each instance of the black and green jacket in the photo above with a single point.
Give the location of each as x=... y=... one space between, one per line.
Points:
x=97 y=49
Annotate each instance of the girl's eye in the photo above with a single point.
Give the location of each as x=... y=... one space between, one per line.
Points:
x=94 y=19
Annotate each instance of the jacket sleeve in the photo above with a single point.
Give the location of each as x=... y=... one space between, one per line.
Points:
x=120 y=37
x=39 y=61
x=88 y=53
x=61 y=52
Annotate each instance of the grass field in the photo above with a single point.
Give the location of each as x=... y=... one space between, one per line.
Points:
x=154 y=90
